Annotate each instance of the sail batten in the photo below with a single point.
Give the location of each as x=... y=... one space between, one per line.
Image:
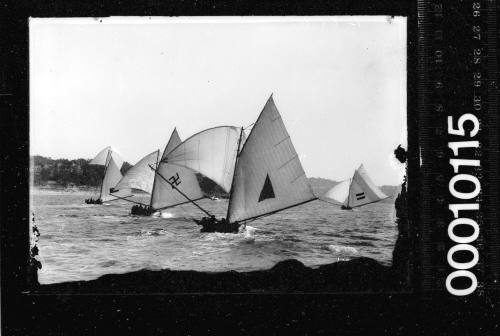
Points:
x=269 y=176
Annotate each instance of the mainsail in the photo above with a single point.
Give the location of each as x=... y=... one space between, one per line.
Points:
x=111 y=177
x=211 y=152
x=268 y=176
x=164 y=195
x=102 y=158
x=140 y=176
x=361 y=190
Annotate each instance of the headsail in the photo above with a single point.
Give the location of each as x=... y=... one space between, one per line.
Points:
x=111 y=177
x=164 y=195
x=338 y=194
x=140 y=176
x=211 y=152
x=361 y=190
x=102 y=157
x=268 y=176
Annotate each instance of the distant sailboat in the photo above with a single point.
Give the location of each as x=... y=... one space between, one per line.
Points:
x=267 y=175
x=355 y=192
x=108 y=157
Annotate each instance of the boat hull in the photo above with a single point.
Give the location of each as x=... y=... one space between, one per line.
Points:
x=93 y=201
x=213 y=225
x=138 y=210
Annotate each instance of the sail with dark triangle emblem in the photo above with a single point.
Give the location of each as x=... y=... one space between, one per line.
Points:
x=268 y=176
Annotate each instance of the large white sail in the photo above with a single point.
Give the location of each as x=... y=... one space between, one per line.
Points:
x=359 y=190
x=338 y=194
x=140 y=176
x=164 y=195
x=211 y=152
x=102 y=158
x=269 y=176
x=111 y=177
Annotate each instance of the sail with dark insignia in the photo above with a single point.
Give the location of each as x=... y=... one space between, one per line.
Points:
x=164 y=195
x=360 y=191
x=211 y=152
x=268 y=176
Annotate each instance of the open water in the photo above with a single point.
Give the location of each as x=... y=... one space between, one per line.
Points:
x=82 y=242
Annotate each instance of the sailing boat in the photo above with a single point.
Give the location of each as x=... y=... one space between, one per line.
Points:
x=355 y=192
x=139 y=177
x=163 y=195
x=211 y=152
x=267 y=176
x=112 y=162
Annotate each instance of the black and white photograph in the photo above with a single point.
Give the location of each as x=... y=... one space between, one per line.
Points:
x=215 y=144
x=249 y=168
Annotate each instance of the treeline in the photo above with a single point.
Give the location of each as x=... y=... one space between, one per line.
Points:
x=64 y=172
x=79 y=172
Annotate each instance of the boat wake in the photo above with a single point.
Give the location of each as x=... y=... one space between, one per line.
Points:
x=167 y=215
x=343 y=249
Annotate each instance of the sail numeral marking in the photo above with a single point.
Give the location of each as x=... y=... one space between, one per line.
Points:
x=175 y=180
x=360 y=196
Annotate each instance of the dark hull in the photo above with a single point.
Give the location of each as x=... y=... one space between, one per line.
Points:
x=343 y=207
x=217 y=226
x=93 y=201
x=138 y=210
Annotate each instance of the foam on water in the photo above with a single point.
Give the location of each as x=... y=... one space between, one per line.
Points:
x=83 y=242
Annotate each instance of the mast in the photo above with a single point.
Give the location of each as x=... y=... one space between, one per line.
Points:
x=349 y=193
x=180 y=192
x=234 y=172
x=104 y=175
x=153 y=190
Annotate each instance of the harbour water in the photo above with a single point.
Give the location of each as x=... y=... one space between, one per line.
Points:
x=82 y=242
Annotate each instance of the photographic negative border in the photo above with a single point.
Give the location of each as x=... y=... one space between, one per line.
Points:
x=237 y=312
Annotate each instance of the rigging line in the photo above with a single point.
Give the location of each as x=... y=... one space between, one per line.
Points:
x=180 y=192
x=125 y=199
x=249 y=126
x=276 y=211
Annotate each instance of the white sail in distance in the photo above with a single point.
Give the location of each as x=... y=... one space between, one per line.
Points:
x=112 y=176
x=140 y=176
x=211 y=152
x=338 y=194
x=102 y=158
x=164 y=195
x=268 y=176
x=361 y=191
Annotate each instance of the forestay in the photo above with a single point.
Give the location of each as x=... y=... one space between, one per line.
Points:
x=140 y=176
x=102 y=158
x=184 y=179
x=112 y=176
x=211 y=152
x=269 y=176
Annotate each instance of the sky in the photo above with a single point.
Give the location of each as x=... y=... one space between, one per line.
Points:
x=338 y=82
